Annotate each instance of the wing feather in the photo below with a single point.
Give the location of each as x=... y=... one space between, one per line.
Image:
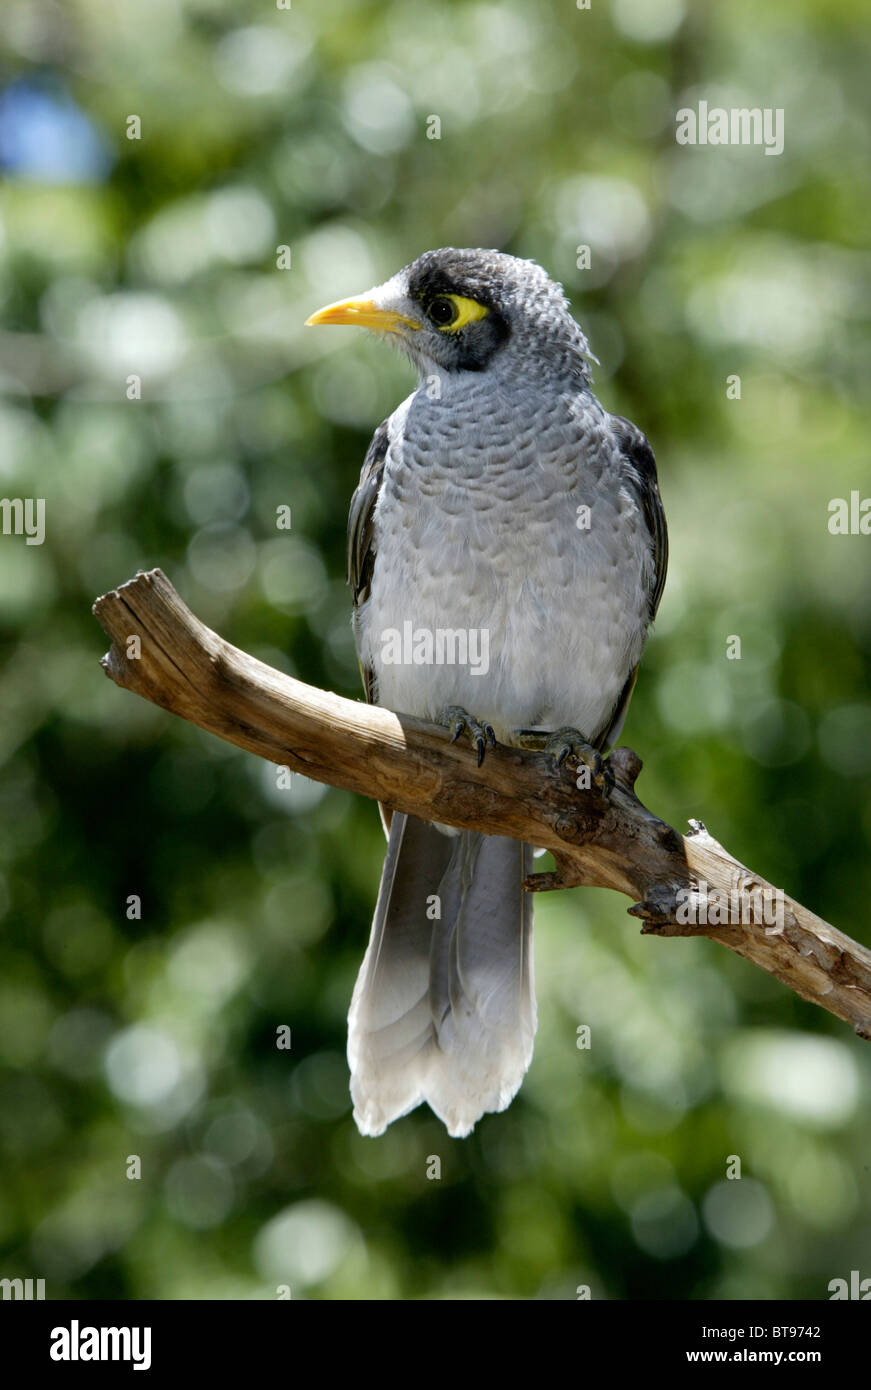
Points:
x=639 y=474
x=361 y=533
x=638 y=469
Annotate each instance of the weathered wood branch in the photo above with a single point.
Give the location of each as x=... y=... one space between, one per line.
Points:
x=598 y=840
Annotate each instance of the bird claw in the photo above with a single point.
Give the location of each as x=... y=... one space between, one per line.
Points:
x=568 y=747
x=480 y=732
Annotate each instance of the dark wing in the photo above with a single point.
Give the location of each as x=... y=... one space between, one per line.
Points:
x=611 y=731
x=638 y=467
x=361 y=532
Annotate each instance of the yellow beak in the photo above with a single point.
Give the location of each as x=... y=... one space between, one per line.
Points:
x=364 y=313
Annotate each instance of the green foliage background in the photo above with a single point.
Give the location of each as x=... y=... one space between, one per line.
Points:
x=307 y=128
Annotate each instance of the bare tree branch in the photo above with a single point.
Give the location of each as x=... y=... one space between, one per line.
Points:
x=597 y=840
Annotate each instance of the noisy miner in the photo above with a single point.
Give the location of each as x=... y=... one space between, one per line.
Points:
x=507 y=552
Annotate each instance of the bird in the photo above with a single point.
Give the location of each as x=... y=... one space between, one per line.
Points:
x=499 y=499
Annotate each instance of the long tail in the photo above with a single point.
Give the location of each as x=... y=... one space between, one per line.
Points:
x=444 y=1006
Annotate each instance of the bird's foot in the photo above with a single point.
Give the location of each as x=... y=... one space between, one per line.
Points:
x=480 y=733
x=569 y=747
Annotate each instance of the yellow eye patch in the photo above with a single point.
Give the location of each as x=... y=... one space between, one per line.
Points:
x=451 y=312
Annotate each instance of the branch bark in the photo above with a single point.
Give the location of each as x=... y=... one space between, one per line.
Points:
x=596 y=840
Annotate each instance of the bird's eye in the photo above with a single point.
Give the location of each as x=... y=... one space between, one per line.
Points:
x=451 y=312
x=443 y=312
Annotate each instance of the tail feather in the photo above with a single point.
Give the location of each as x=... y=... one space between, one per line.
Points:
x=444 y=1006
